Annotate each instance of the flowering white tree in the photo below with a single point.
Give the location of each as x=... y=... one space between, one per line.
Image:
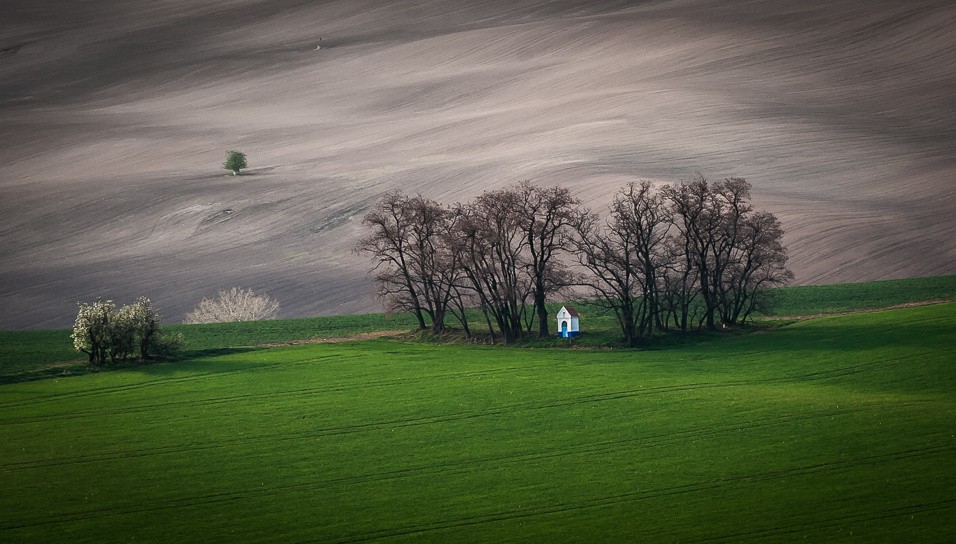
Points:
x=92 y=330
x=104 y=332
x=234 y=305
x=145 y=323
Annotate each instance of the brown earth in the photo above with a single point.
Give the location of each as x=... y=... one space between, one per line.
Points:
x=117 y=115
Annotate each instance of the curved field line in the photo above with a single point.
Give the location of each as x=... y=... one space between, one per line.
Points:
x=598 y=502
x=107 y=390
x=832 y=522
x=435 y=419
x=41 y=399
x=901 y=306
x=345 y=429
x=470 y=466
x=330 y=388
x=591 y=447
x=193 y=377
x=351 y=385
x=307 y=391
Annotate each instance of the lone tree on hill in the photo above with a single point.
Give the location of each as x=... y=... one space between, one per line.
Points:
x=235 y=161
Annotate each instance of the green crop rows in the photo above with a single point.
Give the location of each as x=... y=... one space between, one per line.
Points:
x=836 y=429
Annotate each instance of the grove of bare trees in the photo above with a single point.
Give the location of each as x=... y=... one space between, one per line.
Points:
x=683 y=256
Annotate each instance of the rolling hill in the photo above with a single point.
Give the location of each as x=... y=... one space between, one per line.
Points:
x=835 y=429
x=117 y=116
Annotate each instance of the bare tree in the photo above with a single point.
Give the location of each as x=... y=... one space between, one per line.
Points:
x=418 y=272
x=389 y=243
x=759 y=261
x=685 y=256
x=546 y=216
x=234 y=305
x=708 y=219
x=698 y=226
x=491 y=244
x=435 y=265
x=625 y=258
x=462 y=298
x=642 y=210
x=734 y=250
x=678 y=284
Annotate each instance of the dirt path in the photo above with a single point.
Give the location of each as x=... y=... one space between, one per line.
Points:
x=334 y=340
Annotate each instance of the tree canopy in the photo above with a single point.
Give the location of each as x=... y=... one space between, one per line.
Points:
x=235 y=161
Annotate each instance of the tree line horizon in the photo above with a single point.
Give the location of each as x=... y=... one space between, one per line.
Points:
x=682 y=256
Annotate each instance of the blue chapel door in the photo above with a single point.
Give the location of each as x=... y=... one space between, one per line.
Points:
x=564 y=328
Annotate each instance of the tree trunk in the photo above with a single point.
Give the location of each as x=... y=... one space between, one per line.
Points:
x=421 y=319
x=438 y=322
x=491 y=329
x=543 y=318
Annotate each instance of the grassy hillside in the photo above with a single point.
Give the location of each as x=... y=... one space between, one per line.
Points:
x=37 y=354
x=846 y=297
x=45 y=353
x=828 y=430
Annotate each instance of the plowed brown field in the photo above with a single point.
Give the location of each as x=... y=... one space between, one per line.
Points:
x=117 y=115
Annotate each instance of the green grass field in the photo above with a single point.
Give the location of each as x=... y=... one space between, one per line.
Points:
x=848 y=297
x=839 y=429
x=29 y=355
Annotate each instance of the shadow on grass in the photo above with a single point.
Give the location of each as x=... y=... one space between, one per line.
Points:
x=601 y=340
x=58 y=371
x=191 y=359
x=70 y=369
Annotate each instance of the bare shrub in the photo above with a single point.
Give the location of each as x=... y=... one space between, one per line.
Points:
x=234 y=305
